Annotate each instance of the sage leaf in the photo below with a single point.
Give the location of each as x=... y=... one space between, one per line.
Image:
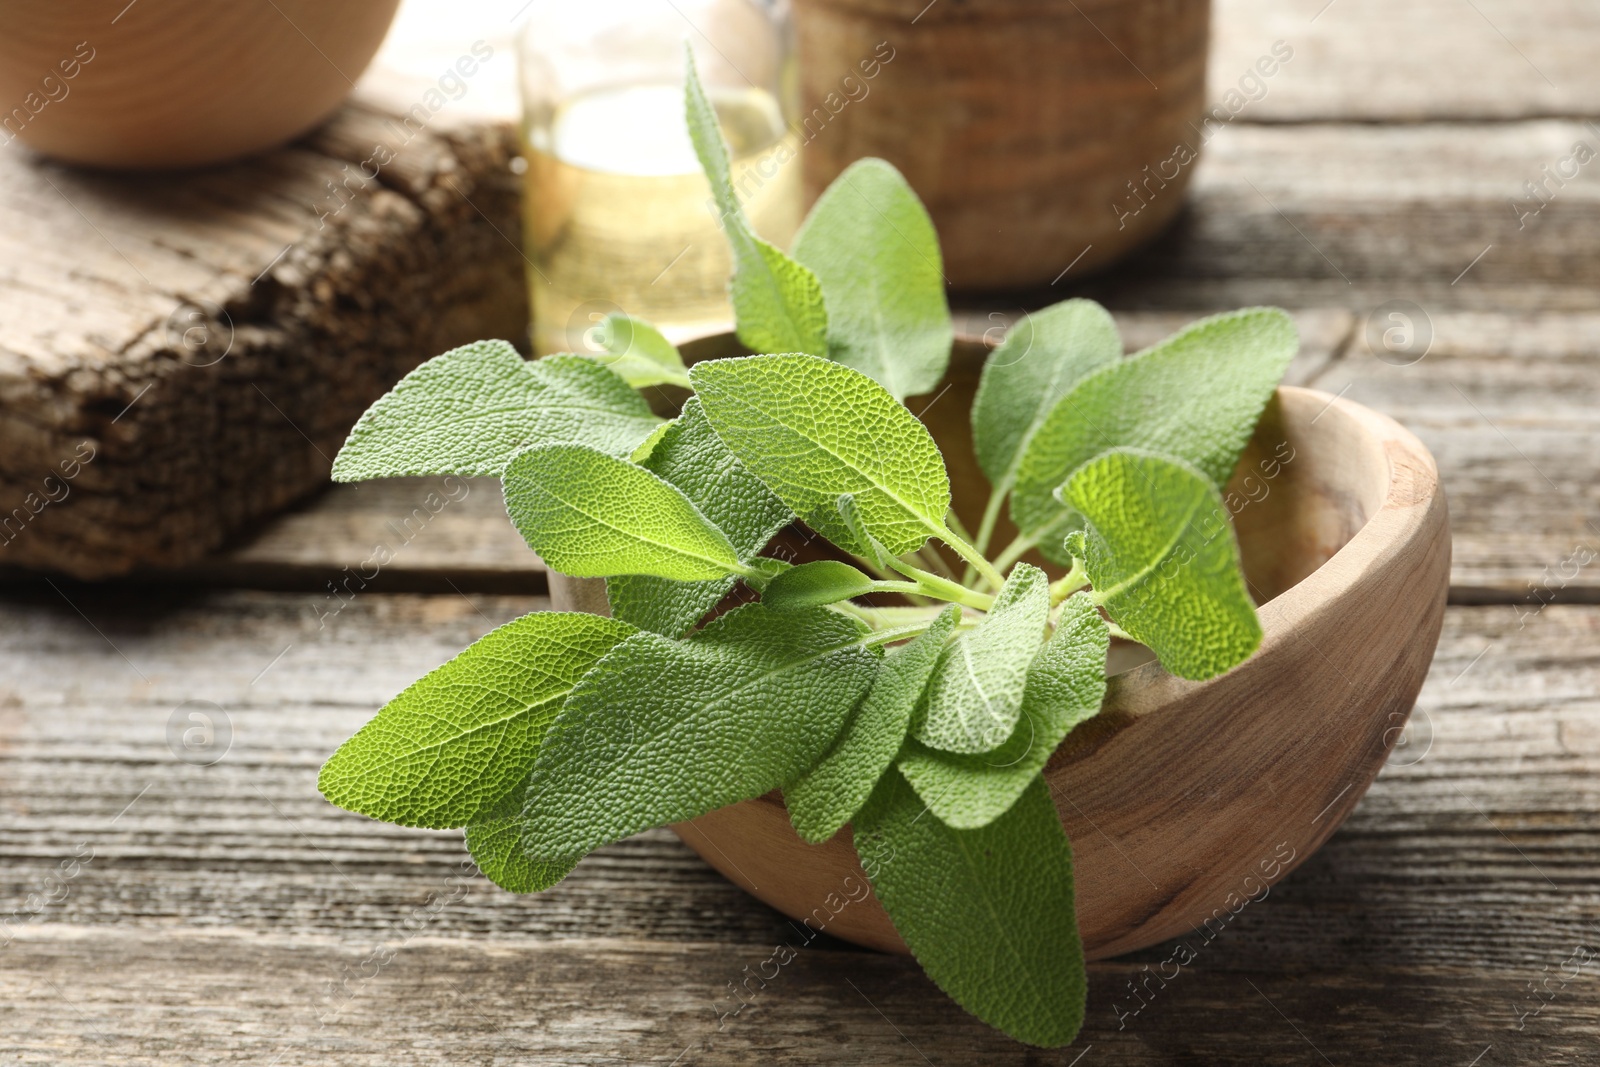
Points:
x=591 y=515
x=638 y=353
x=1066 y=685
x=777 y=303
x=470 y=410
x=1160 y=553
x=975 y=697
x=814 y=585
x=693 y=458
x=462 y=736
x=1196 y=396
x=873 y=248
x=812 y=429
x=988 y=913
x=1042 y=357
x=494 y=838
x=830 y=794
x=661 y=730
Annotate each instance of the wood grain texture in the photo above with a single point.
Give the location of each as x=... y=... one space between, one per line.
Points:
x=223 y=913
x=1372 y=61
x=1018 y=162
x=181 y=84
x=208 y=345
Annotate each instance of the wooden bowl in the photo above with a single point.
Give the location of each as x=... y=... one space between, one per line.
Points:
x=160 y=83
x=1185 y=800
x=1036 y=131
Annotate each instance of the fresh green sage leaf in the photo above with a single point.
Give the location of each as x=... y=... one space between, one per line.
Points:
x=638 y=353
x=591 y=515
x=812 y=429
x=462 y=736
x=1160 y=553
x=1066 y=685
x=831 y=793
x=975 y=697
x=1196 y=396
x=815 y=585
x=1042 y=357
x=777 y=303
x=470 y=410
x=989 y=913
x=692 y=457
x=494 y=838
x=874 y=250
x=647 y=447
x=850 y=515
x=661 y=730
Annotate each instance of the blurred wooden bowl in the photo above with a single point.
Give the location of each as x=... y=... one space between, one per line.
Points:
x=162 y=83
x=1184 y=800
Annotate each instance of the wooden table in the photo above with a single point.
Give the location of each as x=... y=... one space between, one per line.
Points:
x=160 y=911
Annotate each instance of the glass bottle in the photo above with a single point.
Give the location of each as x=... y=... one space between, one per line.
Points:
x=617 y=215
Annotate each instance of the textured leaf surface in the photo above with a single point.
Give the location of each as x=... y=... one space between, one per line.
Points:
x=473 y=408
x=692 y=457
x=638 y=353
x=463 y=736
x=1160 y=553
x=777 y=303
x=1196 y=396
x=494 y=838
x=661 y=731
x=813 y=585
x=975 y=697
x=591 y=515
x=833 y=791
x=813 y=430
x=1066 y=684
x=988 y=913
x=1042 y=357
x=874 y=250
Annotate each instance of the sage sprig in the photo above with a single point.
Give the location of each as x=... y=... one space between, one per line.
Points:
x=878 y=688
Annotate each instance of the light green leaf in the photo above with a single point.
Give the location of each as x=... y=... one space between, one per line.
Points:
x=661 y=731
x=975 y=697
x=989 y=913
x=1160 y=553
x=494 y=837
x=590 y=515
x=813 y=429
x=1066 y=684
x=777 y=303
x=833 y=791
x=638 y=353
x=463 y=735
x=473 y=408
x=874 y=250
x=1042 y=357
x=814 y=585
x=692 y=457
x=850 y=515
x=1196 y=396
x=647 y=447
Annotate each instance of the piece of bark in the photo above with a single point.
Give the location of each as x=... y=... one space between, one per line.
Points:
x=183 y=353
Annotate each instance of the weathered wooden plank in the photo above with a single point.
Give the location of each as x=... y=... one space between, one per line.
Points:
x=182 y=353
x=1510 y=407
x=180 y=997
x=1344 y=215
x=1373 y=61
x=396 y=535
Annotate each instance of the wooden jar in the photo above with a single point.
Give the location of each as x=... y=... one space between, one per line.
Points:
x=1025 y=125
